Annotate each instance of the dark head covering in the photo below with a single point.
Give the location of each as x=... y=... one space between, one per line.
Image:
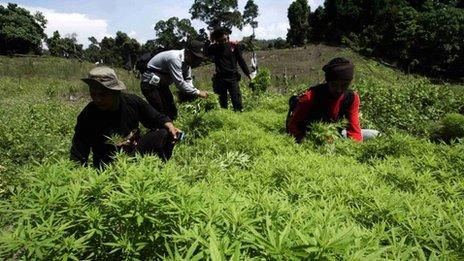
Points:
x=338 y=69
x=196 y=47
x=219 y=32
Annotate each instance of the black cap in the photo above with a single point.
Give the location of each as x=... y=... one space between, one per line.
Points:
x=339 y=68
x=219 y=33
x=196 y=47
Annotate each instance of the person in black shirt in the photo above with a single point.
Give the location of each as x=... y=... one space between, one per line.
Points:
x=226 y=55
x=111 y=113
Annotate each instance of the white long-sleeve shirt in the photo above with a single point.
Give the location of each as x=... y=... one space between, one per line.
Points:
x=171 y=68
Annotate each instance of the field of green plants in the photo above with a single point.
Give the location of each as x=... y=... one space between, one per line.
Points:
x=238 y=187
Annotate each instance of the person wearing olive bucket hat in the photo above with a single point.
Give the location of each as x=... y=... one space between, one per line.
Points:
x=114 y=113
x=329 y=102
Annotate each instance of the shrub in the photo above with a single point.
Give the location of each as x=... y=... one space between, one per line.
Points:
x=450 y=128
x=261 y=82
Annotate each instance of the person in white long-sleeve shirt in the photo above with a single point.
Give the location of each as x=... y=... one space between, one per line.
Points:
x=174 y=66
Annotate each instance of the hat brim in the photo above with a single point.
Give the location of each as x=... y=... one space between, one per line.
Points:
x=92 y=82
x=200 y=56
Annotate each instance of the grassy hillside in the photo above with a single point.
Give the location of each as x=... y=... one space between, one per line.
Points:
x=238 y=187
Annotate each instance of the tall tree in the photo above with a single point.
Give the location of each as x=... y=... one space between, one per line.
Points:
x=211 y=12
x=317 y=25
x=20 y=32
x=202 y=35
x=150 y=46
x=298 y=19
x=92 y=53
x=173 y=33
x=250 y=12
x=54 y=44
x=127 y=48
x=109 y=51
x=64 y=47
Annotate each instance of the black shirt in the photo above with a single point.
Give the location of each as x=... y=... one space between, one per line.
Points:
x=226 y=56
x=94 y=126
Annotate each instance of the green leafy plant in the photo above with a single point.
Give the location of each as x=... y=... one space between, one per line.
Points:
x=261 y=82
x=239 y=187
x=450 y=128
x=324 y=133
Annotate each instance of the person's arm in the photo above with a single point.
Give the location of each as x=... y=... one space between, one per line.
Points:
x=353 y=130
x=298 y=121
x=175 y=71
x=209 y=49
x=188 y=76
x=241 y=61
x=149 y=116
x=80 y=148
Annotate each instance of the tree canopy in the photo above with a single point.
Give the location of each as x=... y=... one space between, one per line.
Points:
x=224 y=12
x=424 y=36
x=20 y=31
x=213 y=11
x=298 y=19
x=174 y=32
x=64 y=47
x=250 y=12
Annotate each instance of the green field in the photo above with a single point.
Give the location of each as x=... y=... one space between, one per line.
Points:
x=238 y=187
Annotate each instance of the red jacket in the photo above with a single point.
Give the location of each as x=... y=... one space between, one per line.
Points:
x=317 y=104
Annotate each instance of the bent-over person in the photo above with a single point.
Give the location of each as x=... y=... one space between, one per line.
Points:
x=174 y=66
x=330 y=102
x=113 y=113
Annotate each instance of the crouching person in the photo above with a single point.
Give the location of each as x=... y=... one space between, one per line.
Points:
x=330 y=102
x=113 y=113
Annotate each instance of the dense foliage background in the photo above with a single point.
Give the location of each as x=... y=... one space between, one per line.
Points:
x=423 y=36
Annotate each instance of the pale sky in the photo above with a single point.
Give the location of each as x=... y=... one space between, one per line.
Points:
x=138 y=17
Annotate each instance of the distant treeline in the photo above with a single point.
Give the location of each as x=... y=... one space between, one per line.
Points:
x=23 y=33
x=425 y=36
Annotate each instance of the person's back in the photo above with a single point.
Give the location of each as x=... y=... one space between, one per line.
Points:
x=162 y=62
x=226 y=62
x=326 y=108
x=168 y=67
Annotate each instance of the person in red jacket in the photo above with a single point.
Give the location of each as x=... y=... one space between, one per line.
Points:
x=330 y=102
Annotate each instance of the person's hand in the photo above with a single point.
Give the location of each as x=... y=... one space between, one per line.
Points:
x=252 y=75
x=203 y=94
x=172 y=130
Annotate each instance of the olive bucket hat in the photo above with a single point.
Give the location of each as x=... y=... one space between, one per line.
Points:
x=106 y=77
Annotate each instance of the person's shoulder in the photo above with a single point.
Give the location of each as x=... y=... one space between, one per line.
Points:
x=87 y=112
x=311 y=92
x=318 y=87
x=356 y=96
x=237 y=45
x=88 y=109
x=132 y=98
x=168 y=54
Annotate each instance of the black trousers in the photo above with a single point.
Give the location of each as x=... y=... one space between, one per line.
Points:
x=222 y=87
x=156 y=142
x=160 y=97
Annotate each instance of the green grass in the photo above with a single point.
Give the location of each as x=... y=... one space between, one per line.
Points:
x=237 y=187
